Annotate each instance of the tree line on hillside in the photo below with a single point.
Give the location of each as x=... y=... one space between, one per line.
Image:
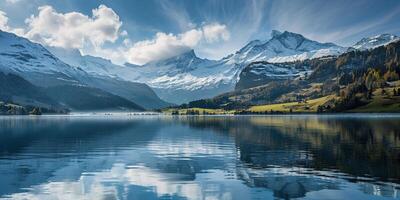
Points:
x=15 y=109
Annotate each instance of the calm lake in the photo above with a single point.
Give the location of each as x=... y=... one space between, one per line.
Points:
x=204 y=157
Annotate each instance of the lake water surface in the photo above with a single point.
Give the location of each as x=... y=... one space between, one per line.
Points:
x=211 y=157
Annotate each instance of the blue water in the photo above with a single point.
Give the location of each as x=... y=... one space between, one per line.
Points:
x=214 y=157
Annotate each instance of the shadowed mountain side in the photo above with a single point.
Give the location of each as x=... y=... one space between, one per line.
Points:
x=139 y=93
x=82 y=98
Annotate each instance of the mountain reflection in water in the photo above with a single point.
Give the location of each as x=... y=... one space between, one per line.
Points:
x=212 y=157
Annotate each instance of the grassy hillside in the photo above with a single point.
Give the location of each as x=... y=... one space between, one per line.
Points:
x=304 y=106
x=382 y=100
x=199 y=111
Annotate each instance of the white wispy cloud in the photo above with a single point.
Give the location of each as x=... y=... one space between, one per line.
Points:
x=329 y=21
x=13 y=1
x=244 y=21
x=177 y=14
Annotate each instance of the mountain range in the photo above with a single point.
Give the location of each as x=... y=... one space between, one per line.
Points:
x=193 y=78
x=355 y=81
x=177 y=80
x=35 y=64
x=186 y=77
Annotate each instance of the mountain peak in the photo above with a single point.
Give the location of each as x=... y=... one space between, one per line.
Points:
x=275 y=33
x=278 y=34
x=375 y=41
x=189 y=53
x=180 y=61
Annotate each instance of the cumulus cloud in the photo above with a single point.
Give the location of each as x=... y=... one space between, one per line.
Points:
x=215 y=32
x=162 y=46
x=3 y=21
x=165 y=45
x=73 y=29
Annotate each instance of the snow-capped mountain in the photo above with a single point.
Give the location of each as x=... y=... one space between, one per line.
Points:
x=374 y=41
x=185 y=71
x=94 y=66
x=187 y=77
x=36 y=64
x=33 y=62
x=178 y=79
x=284 y=47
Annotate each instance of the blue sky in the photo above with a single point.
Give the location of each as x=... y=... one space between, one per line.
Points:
x=139 y=31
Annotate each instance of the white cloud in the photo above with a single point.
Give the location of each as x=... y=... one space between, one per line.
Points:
x=177 y=13
x=215 y=32
x=161 y=47
x=165 y=45
x=5 y=27
x=73 y=29
x=3 y=21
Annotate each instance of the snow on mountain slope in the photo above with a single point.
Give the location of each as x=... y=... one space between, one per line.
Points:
x=185 y=71
x=115 y=79
x=375 y=41
x=284 y=47
x=277 y=71
x=94 y=66
x=260 y=73
x=33 y=62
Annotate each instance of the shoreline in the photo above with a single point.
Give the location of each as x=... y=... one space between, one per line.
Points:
x=143 y=114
